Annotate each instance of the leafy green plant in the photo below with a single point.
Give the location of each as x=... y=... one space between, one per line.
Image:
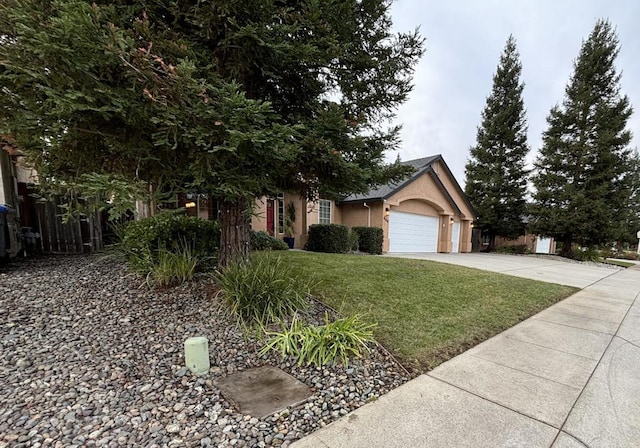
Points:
x=513 y=249
x=331 y=238
x=325 y=344
x=143 y=240
x=354 y=240
x=263 y=292
x=586 y=254
x=290 y=219
x=173 y=267
x=370 y=239
x=263 y=241
x=629 y=255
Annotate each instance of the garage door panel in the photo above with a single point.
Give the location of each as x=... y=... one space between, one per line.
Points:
x=412 y=233
x=455 y=237
x=543 y=245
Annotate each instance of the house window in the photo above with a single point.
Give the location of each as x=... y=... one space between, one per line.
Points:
x=324 y=212
x=280 y=215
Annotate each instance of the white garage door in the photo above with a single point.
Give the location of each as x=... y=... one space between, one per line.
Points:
x=412 y=233
x=455 y=237
x=543 y=245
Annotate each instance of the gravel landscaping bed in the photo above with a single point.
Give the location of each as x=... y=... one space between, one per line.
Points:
x=88 y=358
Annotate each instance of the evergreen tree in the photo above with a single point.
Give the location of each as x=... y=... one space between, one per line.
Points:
x=495 y=172
x=629 y=219
x=234 y=98
x=582 y=172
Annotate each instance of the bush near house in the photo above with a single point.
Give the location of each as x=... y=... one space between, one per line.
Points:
x=142 y=241
x=330 y=238
x=370 y=239
x=263 y=241
x=514 y=249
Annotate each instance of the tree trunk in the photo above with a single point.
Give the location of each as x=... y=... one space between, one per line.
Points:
x=492 y=243
x=567 y=243
x=234 y=232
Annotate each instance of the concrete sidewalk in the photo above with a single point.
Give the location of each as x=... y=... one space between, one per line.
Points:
x=551 y=271
x=568 y=377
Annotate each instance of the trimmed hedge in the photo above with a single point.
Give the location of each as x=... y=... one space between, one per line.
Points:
x=370 y=239
x=143 y=239
x=331 y=238
x=263 y=241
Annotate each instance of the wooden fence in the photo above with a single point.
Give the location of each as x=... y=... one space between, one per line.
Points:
x=82 y=235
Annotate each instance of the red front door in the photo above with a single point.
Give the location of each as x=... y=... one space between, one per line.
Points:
x=270 y=217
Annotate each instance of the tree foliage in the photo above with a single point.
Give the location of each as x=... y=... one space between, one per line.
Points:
x=496 y=174
x=235 y=99
x=582 y=175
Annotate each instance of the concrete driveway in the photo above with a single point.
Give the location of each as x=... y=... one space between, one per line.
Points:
x=552 y=271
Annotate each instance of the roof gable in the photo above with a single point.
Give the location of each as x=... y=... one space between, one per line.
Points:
x=422 y=166
x=384 y=191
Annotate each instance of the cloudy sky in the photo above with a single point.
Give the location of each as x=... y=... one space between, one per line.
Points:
x=464 y=42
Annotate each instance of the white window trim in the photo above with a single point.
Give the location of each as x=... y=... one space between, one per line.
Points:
x=320 y=201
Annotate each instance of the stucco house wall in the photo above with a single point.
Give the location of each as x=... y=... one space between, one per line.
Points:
x=431 y=191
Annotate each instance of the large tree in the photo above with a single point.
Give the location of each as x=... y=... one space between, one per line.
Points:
x=233 y=98
x=582 y=176
x=496 y=171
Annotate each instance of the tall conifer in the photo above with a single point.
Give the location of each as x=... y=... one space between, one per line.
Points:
x=582 y=177
x=496 y=173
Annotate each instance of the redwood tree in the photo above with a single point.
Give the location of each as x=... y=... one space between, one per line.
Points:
x=496 y=173
x=233 y=98
x=583 y=171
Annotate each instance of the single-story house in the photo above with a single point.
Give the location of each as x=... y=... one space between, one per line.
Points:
x=428 y=212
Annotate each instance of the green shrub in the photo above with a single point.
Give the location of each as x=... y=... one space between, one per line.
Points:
x=370 y=239
x=514 y=249
x=173 y=267
x=354 y=241
x=629 y=256
x=263 y=292
x=586 y=254
x=331 y=238
x=143 y=240
x=263 y=241
x=325 y=344
x=608 y=253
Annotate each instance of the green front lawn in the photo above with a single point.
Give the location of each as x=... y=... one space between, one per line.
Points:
x=426 y=312
x=624 y=264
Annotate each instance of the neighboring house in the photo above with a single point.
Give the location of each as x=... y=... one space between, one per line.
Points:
x=534 y=243
x=428 y=212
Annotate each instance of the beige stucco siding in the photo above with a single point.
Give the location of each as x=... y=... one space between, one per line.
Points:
x=306 y=215
x=259 y=217
x=460 y=201
x=425 y=197
x=417 y=206
x=422 y=189
x=357 y=215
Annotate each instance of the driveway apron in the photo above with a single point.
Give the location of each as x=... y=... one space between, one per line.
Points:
x=543 y=269
x=567 y=377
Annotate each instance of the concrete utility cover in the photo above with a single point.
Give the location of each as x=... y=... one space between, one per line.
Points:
x=263 y=391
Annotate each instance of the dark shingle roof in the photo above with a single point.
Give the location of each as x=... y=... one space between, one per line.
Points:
x=384 y=191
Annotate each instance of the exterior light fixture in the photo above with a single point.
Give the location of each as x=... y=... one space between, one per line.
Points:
x=386 y=214
x=190 y=205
